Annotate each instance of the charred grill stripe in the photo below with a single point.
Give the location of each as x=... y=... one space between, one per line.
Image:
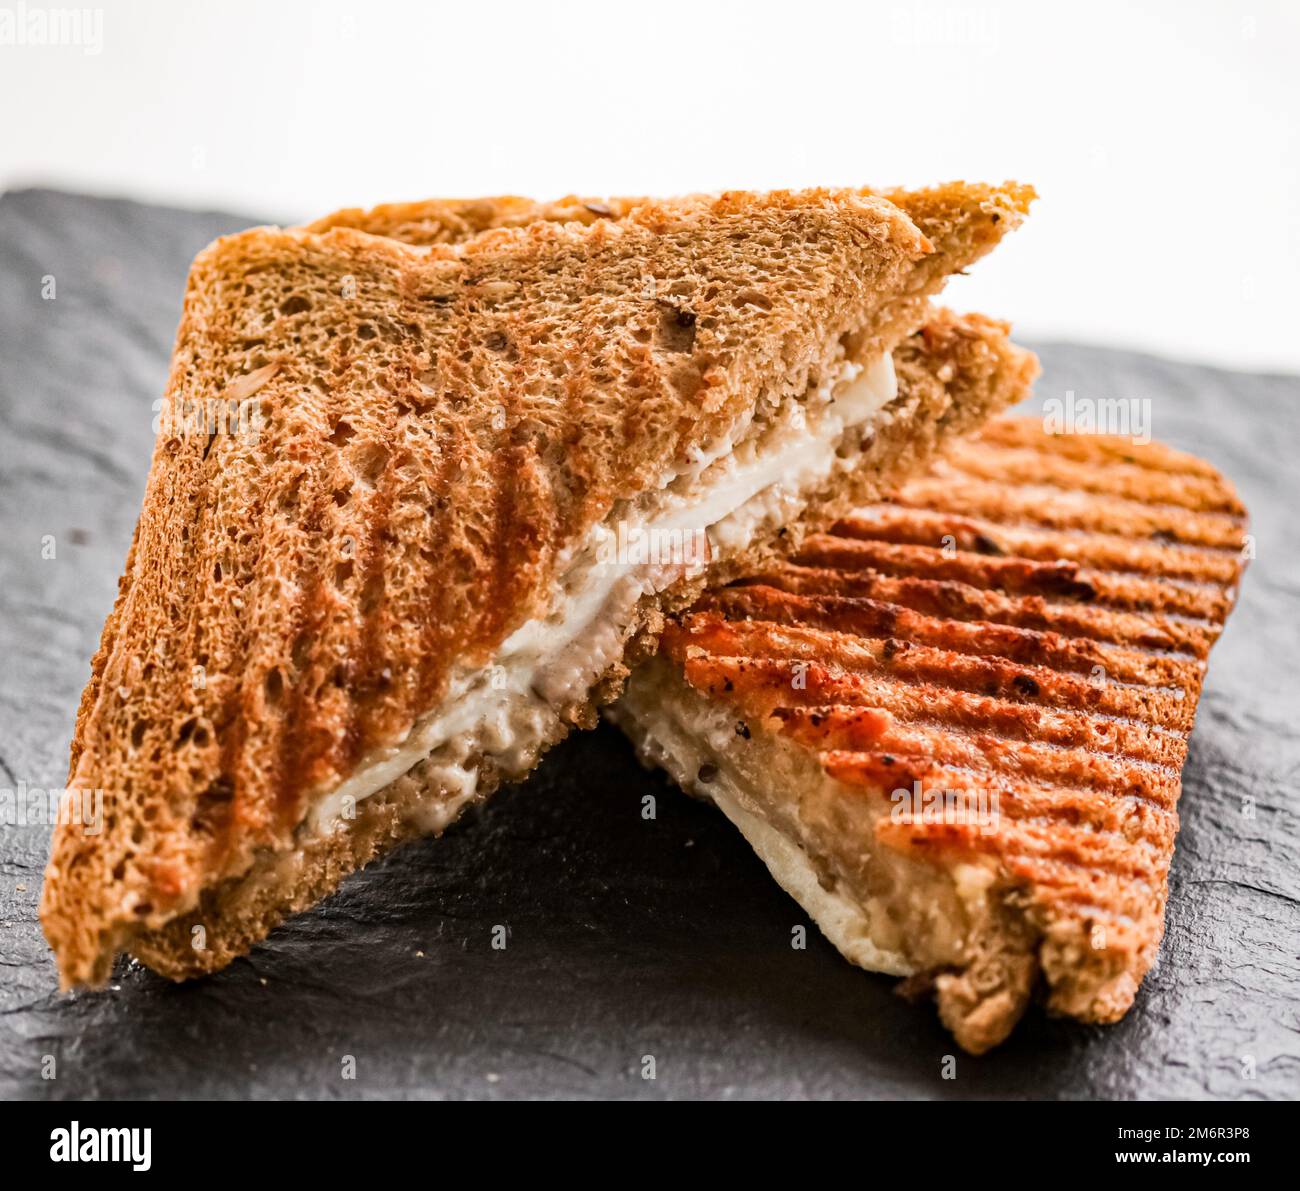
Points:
x=1012 y=575
x=1012 y=467
x=438 y=627
x=368 y=657
x=947 y=599
x=1017 y=729
x=1020 y=799
x=1102 y=551
x=1064 y=582
x=874 y=619
x=761 y=685
x=840 y=730
x=1053 y=509
x=1028 y=434
x=298 y=735
x=870 y=660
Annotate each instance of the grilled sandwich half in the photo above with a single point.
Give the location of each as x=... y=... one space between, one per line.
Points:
x=953 y=727
x=410 y=506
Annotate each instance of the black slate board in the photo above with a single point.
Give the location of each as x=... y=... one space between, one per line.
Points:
x=627 y=938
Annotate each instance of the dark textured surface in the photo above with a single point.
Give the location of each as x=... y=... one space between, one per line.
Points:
x=627 y=937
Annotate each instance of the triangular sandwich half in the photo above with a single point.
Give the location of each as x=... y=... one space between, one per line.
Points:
x=954 y=726
x=409 y=507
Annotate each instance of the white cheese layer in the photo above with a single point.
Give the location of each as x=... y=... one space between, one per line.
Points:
x=749 y=481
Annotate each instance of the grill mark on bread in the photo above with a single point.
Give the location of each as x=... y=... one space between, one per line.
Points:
x=936 y=713
x=1064 y=818
x=294 y=755
x=886 y=660
x=1108 y=552
x=371 y=675
x=437 y=626
x=1122 y=480
x=949 y=491
x=954 y=600
x=516 y=532
x=849 y=729
x=1012 y=575
x=1120 y=592
x=879 y=619
x=1043 y=652
x=767 y=681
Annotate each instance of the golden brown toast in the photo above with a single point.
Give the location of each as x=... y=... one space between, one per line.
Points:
x=954 y=726
x=959 y=218
x=281 y=691
x=962 y=221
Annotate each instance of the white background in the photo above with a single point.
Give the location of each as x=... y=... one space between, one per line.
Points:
x=1162 y=137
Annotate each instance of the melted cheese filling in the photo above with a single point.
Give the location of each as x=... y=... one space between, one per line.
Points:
x=682 y=735
x=882 y=909
x=750 y=481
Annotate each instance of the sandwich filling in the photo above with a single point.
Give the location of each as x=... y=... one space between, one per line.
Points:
x=759 y=476
x=880 y=910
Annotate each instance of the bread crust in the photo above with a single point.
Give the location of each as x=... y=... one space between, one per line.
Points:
x=473 y=408
x=961 y=221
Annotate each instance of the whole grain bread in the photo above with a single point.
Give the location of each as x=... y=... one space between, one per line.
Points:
x=468 y=411
x=953 y=374
x=1024 y=630
x=962 y=221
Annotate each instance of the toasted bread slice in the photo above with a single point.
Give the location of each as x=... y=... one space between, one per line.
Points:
x=961 y=220
x=281 y=691
x=954 y=726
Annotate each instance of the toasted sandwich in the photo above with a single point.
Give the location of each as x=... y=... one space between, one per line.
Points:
x=434 y=552
x=954 y=726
